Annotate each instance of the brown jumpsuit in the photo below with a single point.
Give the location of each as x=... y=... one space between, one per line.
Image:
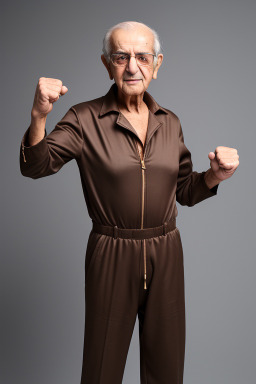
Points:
x=134 y=255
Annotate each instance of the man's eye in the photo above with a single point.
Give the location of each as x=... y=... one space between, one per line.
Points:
x=142 y=58
x=122 y=57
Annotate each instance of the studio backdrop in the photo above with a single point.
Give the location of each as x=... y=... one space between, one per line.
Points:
x=207 y=79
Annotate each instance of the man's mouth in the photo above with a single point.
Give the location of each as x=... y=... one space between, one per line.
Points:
x=132 y=80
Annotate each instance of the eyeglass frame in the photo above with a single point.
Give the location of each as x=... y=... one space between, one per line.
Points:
x=125 y=53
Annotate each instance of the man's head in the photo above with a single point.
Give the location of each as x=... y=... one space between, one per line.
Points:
x=132 y=37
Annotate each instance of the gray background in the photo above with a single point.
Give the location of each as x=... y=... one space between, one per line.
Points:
x=208 y=79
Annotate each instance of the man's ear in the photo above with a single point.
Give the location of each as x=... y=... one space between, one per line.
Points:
x=159 y=62
x=107 y=65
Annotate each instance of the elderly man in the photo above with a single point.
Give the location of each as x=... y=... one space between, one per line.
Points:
x=134 y=165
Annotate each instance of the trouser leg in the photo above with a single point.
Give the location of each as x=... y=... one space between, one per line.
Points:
x=161 y=313
x=111 y=294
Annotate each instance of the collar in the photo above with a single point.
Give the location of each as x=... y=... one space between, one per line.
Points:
x=110 y=102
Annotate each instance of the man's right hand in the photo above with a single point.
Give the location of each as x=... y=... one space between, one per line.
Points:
x=48 y=91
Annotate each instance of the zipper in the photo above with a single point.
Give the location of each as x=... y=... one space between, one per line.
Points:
x=24 y=158
x=143 y=175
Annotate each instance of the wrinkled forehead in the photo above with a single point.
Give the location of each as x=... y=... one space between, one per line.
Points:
x=135 y=40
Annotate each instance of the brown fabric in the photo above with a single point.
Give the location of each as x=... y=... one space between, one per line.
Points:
x=125 y=233
x=103 y=143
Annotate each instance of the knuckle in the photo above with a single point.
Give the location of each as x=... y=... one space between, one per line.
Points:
x=43 y=90
x=42 y=80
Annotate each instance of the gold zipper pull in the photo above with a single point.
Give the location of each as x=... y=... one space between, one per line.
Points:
x=145 y=285
x=143 y=164
x=24 y=158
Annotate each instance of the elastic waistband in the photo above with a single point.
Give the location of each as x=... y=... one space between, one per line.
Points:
x=131 y=233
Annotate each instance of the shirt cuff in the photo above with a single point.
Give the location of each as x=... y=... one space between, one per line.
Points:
x=209 y=191
x=31 y=152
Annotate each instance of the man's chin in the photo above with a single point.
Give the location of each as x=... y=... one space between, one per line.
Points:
x=132 y=89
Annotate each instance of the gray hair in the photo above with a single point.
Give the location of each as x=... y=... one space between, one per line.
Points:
x=127 y=25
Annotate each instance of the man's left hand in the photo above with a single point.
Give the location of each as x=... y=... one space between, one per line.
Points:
x=224 y=161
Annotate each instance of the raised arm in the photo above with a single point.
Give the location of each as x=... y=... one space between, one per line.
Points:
x=41 y=154
x=191 y=185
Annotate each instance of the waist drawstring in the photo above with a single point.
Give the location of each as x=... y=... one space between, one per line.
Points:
x=137 y=234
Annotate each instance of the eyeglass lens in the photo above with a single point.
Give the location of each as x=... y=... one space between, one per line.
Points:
x=142 y=59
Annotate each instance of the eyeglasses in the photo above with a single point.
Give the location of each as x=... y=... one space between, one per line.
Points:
x=122 y=59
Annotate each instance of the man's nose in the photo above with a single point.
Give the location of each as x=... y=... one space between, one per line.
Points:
x=132 y=65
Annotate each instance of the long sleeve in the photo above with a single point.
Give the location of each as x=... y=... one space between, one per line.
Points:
x=63 y=144
x=191 y=186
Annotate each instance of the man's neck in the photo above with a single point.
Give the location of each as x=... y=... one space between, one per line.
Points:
x=131 y=104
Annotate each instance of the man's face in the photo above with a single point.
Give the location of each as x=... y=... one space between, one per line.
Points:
x=132 y=41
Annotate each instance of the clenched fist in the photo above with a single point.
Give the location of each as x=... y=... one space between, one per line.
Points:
x=224 y=161
x=47 y=92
